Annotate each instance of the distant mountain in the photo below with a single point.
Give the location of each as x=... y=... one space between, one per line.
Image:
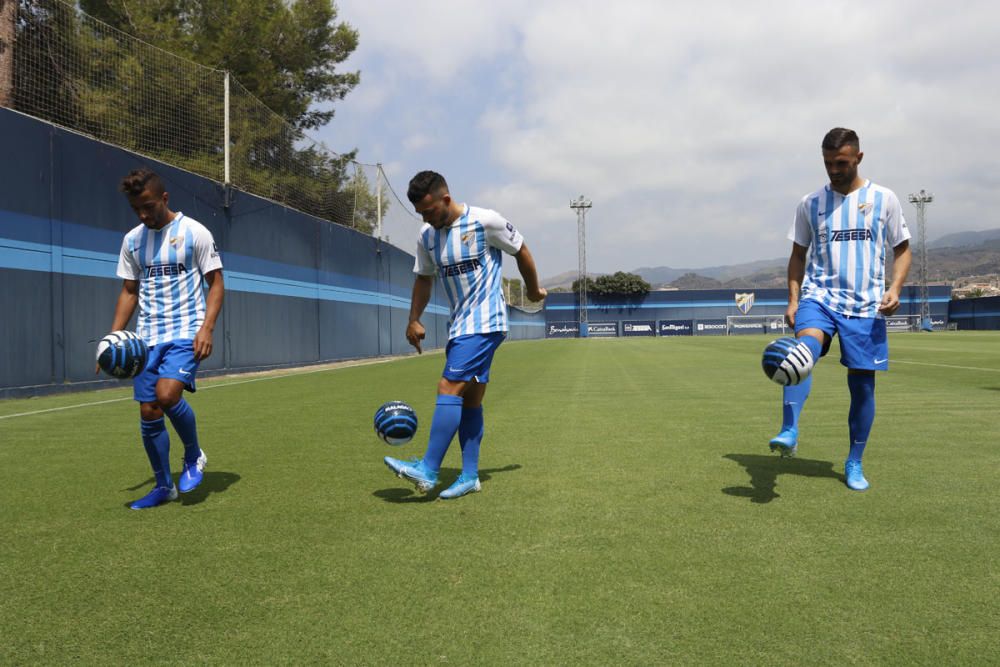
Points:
x=694 y=281
x=949 y=258
x=664 y=275
x=952 y=263
x=565 y=279
x=963 y=239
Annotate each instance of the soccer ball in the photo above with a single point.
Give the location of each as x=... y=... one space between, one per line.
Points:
x=787 y=360
x=395 y=422
x=122 y=354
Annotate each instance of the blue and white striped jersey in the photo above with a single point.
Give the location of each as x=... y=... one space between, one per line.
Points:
x=170 y=265
x=848 y=236
x=467 y=255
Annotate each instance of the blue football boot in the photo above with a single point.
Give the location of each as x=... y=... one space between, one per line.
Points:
x=422 y=477
x=156 y=497
x=786 y=442
x=192 y=474
x=395 y=465
x=464 y=485
x=854 y=476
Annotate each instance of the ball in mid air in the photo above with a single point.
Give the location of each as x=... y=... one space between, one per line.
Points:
x=395 y=422
x=122 y=354
x=787 y=361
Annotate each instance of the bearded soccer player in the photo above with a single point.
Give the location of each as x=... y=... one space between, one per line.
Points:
x=163 y=263
x=839 y=290
x=464 y=245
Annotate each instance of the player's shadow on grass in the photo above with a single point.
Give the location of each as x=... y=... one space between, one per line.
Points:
x=407 y=494
x=213 y=482
x=764 y=471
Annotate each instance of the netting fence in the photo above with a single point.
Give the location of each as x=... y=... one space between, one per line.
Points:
x=75 y=71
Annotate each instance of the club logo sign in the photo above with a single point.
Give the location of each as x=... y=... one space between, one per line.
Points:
x=744 y=302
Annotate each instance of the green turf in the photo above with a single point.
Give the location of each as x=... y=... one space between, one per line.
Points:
x=631 y=514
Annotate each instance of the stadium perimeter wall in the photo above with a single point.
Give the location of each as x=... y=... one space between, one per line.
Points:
x=976 y=314
x=299 y=290
x=697 y=312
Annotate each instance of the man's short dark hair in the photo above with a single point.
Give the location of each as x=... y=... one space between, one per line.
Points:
x=425 y=183
x=839 y=137
x=140 y=179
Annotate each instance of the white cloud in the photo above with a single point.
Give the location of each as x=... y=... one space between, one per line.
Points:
x=693 y=127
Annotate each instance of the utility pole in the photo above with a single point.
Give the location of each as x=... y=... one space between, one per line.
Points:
x=920 y=201
x=379 y=175
x=580 y=206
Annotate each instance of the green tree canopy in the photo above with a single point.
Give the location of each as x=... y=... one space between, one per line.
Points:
x=285 y=52
x=589 y=283
x=621 y=283
x=147 y=75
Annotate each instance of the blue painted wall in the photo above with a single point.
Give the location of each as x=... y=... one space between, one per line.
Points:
x=525 y=325
x=299 y=290
x=976 y=314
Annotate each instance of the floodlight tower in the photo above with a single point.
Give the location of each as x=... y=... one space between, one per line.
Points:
x=580 y=206
x=920 y=201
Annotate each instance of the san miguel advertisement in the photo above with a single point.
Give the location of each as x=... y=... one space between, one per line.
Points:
x=675 y=327
x=640 y=328
x=562 y=329
x=602 y=329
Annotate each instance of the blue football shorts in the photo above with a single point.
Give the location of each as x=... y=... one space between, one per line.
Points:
x=173 y=359
x=468 y=358
x=863 y=344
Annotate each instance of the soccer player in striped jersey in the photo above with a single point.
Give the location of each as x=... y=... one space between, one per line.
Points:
x=163 y=263
x=464 y=245
x=846 y=227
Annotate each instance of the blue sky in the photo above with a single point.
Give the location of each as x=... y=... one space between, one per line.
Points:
x=693 y=127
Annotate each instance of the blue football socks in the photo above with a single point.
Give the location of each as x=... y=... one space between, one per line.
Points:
x=156 y=440
x=794 y=396
x=182 y=418
x=862 y=413
x=470 y=436
x=444 y=425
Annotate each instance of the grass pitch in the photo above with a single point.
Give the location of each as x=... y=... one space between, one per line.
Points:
x=630 y=514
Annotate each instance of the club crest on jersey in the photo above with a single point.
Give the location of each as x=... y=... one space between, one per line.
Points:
x=744 y=302
x=175 y=241
x=468 y=238
x=865 y=208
